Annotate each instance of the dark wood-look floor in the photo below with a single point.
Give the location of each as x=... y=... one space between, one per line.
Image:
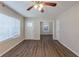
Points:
x=46 y=47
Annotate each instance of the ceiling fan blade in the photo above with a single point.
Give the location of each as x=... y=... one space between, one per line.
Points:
x=50 y=4
x=30 y=8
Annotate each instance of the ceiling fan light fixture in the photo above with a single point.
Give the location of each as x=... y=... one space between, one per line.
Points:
x=39 y=9
x=41 y=5
x=36 y=6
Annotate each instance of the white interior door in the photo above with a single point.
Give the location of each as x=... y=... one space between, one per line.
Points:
x=29 y=29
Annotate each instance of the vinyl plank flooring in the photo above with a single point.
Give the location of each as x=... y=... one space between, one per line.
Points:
x=46 y=47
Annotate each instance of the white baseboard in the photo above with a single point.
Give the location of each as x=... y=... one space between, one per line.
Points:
x=10 y=48
x=69 y=48
x=31 y=39
x=46 y=34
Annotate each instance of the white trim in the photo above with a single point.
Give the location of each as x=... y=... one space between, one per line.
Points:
x=10 y=48
x=69 y=48
x=31 y=39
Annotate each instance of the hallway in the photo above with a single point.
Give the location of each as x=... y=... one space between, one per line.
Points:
x=36 y=48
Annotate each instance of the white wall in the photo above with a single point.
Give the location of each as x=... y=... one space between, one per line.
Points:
x=54 y=29
x=69 y=29
x=36 y=30
x=10 y=43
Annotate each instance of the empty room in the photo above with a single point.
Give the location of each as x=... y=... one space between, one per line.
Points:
x=39 y=28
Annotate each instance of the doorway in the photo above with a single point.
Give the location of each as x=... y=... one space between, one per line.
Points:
x=46 y=30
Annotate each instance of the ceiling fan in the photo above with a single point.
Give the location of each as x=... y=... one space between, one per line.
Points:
x=39 y=5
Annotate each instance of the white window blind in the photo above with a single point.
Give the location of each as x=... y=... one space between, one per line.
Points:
x=9 y=27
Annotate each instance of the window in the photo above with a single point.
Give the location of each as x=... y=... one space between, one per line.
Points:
x=9 y=27
x=45 y=27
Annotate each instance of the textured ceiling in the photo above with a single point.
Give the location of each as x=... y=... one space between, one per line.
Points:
x=21 y=6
